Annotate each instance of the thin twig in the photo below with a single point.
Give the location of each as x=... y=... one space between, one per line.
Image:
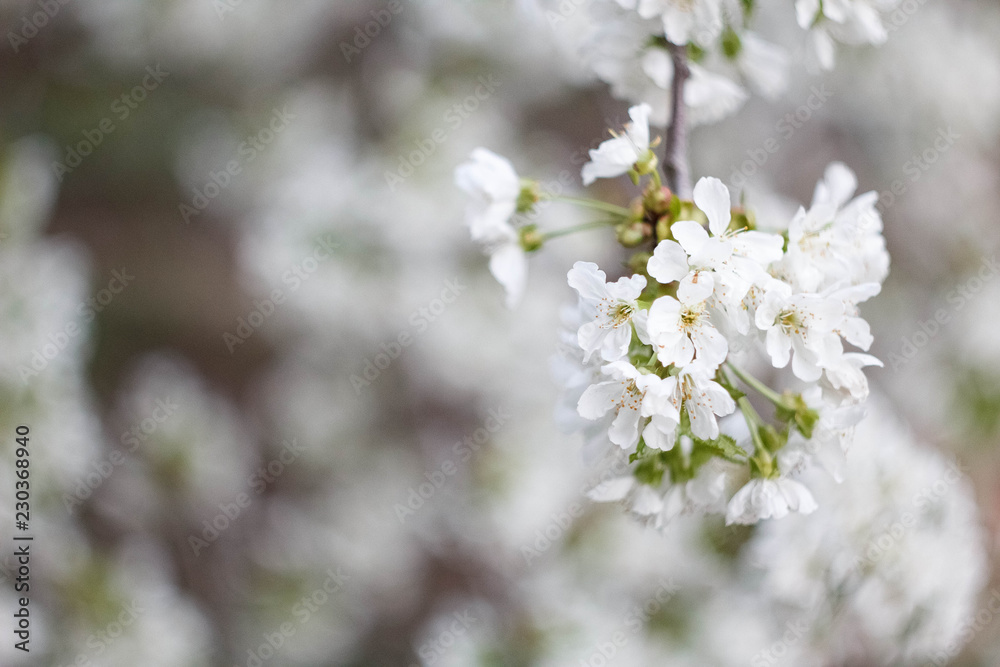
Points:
x=676 y=163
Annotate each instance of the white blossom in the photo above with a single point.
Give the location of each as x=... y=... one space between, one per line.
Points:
x=621 y=395
x=837 y=241
x=683 y=332
x=609 y=310
x=769 y=499
x=619 y=155
x=494 y=187
x=803 y=323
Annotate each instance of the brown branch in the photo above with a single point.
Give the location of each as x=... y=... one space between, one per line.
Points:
x=675 y=164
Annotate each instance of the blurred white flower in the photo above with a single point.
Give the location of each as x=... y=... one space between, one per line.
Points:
x=621 y=154
x=769 y=499
x=494 y=188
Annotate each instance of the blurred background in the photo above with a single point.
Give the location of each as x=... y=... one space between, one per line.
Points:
x=279 y=414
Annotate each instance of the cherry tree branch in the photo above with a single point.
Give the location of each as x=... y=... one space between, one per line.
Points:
x=676 y=164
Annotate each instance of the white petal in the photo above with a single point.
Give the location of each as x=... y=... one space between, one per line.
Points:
x=627 y=288
x=638 y=131
x=646 y=501
x=759 y=246
x=711 y=346
x=664 y=317
x=660 y=433
x=590 y=337
x=616 y=343
x=690 y=235
x=696 y=287
x=598 y=399
x=674 y=503
x=712 y=196
x=668 y=263
x=779 y=347
x=509 y=265
x=624 y=430
x=837 y=185
x=703 y=422
x=797 y=496
x=588 y=280
x=611 y=490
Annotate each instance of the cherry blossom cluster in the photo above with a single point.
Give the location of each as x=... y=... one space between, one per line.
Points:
x=658 y=359
x=627 y=44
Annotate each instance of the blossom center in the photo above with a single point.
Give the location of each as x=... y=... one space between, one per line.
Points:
x=690 y=317
x=790 y=320
x=616 y=313
x=631 y=398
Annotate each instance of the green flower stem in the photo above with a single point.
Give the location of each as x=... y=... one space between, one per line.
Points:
x=656 y=178
x=578 y=228
x=756 y=384
x=761 y=457
x=613 y=209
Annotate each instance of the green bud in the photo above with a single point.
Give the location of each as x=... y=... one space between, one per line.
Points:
x=631 y=234
x=529 y=195
x=772 y=439
x=794 y=409
x=647 y=163
x=531 y=239
x=663 y=227
x=731 y=44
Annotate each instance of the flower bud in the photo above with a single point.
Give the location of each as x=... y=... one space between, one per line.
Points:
x=531 y=239
x=529 y=195
x=647 y=163
x=631 y=234
x=731 y=43
x=656 y=201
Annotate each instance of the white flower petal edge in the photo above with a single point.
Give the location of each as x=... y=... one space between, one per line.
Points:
x=494 y=186
x=769 y=499
x=617 y=156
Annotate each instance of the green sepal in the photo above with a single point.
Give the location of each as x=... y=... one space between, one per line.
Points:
x=724 y=447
